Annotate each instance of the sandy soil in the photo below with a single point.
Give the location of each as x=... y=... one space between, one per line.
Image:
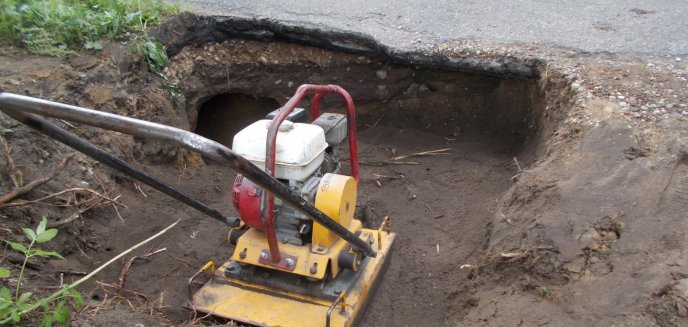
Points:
x=556 y=204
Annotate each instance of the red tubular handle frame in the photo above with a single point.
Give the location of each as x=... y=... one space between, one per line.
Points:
x=268 y=203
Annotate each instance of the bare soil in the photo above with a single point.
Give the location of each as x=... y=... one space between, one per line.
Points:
x=554 y=205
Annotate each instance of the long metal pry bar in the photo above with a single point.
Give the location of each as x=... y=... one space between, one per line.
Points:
x=22 y=108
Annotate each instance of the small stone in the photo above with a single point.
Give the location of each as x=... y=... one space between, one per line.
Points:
x=381 y=74
x=678 y=59
x=682 y=288
x=290 y=84
x=575 y=86
x=590 y=239
x=621 y=97
x=652 y=106
x=612 y=98
x=12 y=82
x=669 y=106
x=682 y=310
x=623 y=104
x=637 y=114
x=643 y=108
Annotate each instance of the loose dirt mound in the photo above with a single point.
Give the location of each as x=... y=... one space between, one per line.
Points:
x=553 y=205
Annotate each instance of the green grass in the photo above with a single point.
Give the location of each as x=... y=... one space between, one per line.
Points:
x=60 y=27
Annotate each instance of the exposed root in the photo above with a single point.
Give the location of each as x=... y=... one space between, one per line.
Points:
x=395 y=160
x=15 y=174
x=68 y=203
x=21 y=190
x=377 y=122
x=140 y=190
x=438 y=152
x=127 y=266
x=126 y=295
x=95 y=200
x=511 y=256
x=180 y=260
x=105 y=191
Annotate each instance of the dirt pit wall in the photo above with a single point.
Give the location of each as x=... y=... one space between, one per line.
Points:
x=445 y=102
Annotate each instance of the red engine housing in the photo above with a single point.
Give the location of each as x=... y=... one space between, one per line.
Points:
x=246 y=198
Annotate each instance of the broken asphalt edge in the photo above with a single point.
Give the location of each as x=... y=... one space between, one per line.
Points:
x=205 y=29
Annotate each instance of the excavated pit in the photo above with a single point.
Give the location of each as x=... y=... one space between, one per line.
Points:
x=501 y=230
x=442 y=207
x=493 y=117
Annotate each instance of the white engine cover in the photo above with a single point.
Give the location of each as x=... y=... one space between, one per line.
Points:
x=300 y=148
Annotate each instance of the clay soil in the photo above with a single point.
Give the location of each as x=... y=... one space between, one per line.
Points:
x=551 y=206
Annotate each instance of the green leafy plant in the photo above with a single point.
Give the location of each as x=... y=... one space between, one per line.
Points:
x=59 y=312
x=63 y=27
x=57 y=27
x=153 y=52
x=12 y=308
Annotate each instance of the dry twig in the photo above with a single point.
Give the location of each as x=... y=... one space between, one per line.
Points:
x=69 y=204
x=82 y=206
x=136 y=294
x=521 y=171
x=74 y=285
x=127 y=266
x=105 y=191
x=437 y=152
x=140 y=190
x=379 y=176
x=387 y=162
x=21 y=190
x=395 y=159
x=15 y=174
x=180 y=260
x=508 y=256
x=377 y=122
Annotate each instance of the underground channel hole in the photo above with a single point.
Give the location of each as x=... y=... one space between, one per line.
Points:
x=223 y=115
x=441 y=206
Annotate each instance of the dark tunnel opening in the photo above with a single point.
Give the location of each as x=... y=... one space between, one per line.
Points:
x=223 y=115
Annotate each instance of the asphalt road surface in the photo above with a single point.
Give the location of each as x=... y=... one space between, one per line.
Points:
x=646 y=28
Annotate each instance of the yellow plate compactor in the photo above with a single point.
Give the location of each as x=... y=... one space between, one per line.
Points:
x=300 y=258
x=286 y=269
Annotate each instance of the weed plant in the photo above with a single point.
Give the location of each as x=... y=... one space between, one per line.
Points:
x=55 y=307
x=57 y=27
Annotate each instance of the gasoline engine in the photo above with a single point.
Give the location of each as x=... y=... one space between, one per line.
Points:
x=304 y=154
